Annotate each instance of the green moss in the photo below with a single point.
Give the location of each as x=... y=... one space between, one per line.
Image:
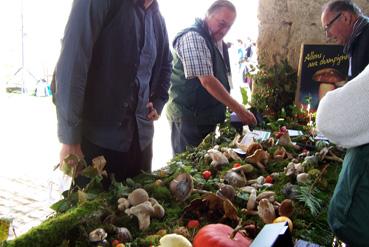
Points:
x=53 y=231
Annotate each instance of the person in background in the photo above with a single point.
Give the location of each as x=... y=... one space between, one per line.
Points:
x=112 y=81
x=343 y=117
x=199 y=91
x=344 y=22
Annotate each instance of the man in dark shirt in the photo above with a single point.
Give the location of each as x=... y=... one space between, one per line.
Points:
x=112 y=82
x=344 y=22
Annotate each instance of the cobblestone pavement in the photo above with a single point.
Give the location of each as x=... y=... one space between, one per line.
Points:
x=29 y=150
x=24 y=202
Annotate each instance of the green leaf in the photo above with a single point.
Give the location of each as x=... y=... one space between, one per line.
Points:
x=245 y=98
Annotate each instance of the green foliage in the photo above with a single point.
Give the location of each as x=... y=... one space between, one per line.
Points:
x=273 y=88
x=307 y=195
x=245 y=98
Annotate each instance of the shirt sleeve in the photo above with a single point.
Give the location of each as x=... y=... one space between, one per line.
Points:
x=84 y=24
x=194 y=54
x=343 y=114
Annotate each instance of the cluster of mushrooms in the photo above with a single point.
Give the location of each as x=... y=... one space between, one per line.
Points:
x=142 y=206
x=139 y=204
x=256 y=157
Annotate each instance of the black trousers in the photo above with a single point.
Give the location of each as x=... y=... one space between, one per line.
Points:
x=188 y=134
x=122 y=164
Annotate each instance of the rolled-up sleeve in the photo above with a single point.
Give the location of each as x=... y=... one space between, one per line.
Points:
x=84 y=24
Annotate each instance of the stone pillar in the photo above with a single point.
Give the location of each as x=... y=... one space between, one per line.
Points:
x=285 y=24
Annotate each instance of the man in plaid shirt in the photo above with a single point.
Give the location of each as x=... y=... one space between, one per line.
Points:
x=199 y=91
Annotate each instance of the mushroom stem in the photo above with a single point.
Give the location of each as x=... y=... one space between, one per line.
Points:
x=237 y=229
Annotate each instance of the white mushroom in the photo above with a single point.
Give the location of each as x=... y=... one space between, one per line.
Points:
x=218 y=159
x=159 y=211
x=143 y=212
x=96 y=235
x=123 y=204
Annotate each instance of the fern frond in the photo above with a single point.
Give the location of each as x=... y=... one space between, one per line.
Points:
x=307 y=195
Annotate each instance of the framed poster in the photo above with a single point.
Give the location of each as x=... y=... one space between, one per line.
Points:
x=322 y=67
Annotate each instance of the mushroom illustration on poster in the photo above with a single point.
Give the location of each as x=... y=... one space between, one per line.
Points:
x=322 y=68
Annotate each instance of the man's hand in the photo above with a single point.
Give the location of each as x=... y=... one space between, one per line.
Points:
x=70 y=149
x=153 y=114
x=245 y=115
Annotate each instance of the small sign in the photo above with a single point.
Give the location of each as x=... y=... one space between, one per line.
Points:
x=273 y=235
x=322 y=68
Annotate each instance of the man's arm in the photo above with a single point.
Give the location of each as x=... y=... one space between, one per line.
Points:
x=160 y=94
x=196 y=59
x=343 y=114
x=84 y=24
x=216 y=89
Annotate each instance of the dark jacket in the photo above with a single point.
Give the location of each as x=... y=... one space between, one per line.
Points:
x=359 y=53
x=188 y=99
x=96 y=72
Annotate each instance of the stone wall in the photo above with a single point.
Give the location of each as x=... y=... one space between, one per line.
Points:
x=285 y=24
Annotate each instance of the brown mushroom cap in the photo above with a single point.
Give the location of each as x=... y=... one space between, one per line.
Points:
x=328 y=75
x=138 y=196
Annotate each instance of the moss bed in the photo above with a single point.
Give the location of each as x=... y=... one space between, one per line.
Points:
x=75 y=218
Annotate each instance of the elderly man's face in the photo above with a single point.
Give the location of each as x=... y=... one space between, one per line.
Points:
x=337 y=26
x=220 y=22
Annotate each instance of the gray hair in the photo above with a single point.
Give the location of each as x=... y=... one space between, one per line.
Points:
x=220 y=4
x=342 y=5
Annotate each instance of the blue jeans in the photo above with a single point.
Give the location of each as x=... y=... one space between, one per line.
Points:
x=186 y=134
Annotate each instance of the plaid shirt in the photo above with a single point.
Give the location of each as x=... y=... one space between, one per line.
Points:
x=195 y=55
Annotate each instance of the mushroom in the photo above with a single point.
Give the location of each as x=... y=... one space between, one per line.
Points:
x=142 y=211
x=159 y=211
x=328 y=79
x=252 y=147
x=229 y=153
x=97 y=235
x=226 y=191
x=259 y=158
x=266 y=211
x=265 y=194
x=182 y=186
x=123 y=204
x=123 y=234
x=302 y=178
x=99 y=164
x=138 y=196
x=259 y=180
x=174 y=240
x=235 y=179
x=251 y=203
x=218 y=159
x=286 y=208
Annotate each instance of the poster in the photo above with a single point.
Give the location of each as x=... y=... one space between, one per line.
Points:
x=322 y=67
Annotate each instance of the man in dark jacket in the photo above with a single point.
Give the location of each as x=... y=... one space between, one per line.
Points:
x=344 y=22
x=199 y=91
x=112 y=81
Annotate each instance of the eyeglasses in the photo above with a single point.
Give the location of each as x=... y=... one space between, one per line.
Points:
x=328 y=26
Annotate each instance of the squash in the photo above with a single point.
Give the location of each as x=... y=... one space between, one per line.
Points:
x=219 y=235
